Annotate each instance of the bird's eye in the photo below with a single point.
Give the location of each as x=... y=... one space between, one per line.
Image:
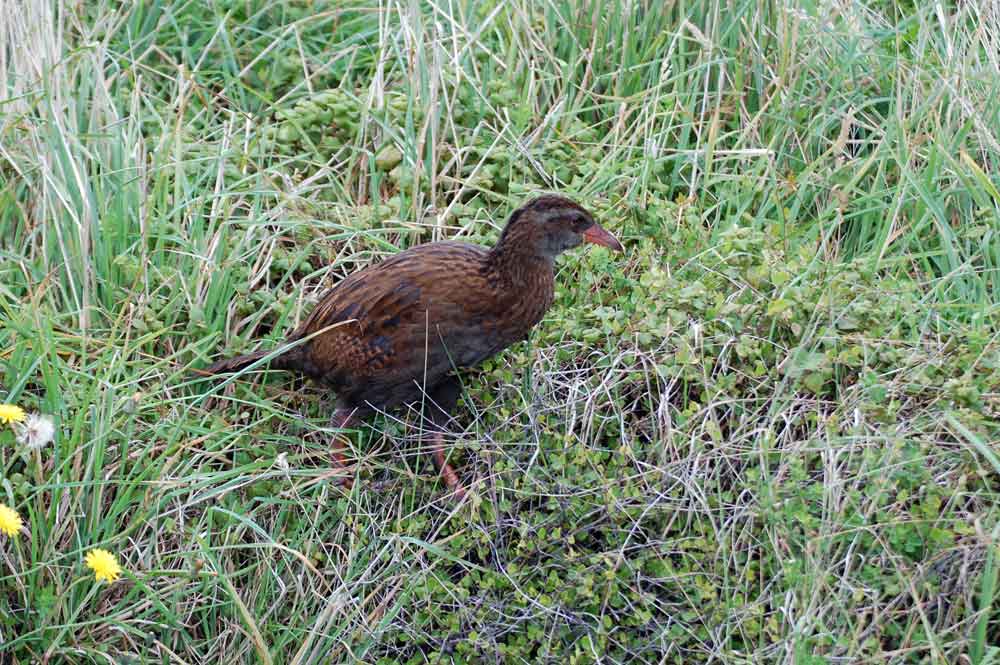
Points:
x=580 y=223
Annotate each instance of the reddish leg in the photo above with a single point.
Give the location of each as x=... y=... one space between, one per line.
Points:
x=444 y=396
x=342 y=418
x=447 y=472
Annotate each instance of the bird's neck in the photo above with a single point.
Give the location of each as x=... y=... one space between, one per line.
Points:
x=525 y=284
x=516 y=266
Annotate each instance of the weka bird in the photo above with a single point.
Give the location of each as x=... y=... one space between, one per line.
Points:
x=395 y=332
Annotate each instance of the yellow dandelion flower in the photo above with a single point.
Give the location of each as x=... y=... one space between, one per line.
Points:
x=10 y=413
x=10 y=521
x=104 y=564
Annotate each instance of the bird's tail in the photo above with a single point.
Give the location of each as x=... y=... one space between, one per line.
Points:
x=237 y=363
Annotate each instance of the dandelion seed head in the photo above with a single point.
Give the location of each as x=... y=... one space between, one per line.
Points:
x=36 y=431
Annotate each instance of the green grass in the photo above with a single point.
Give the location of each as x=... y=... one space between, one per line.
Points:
x=767 y=433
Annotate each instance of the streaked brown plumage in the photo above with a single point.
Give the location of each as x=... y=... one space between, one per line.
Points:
x=397 y=331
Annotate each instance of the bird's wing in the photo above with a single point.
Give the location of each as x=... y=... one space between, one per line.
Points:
x=413 y=316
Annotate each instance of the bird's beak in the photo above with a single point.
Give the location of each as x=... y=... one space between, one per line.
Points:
x=597 y=235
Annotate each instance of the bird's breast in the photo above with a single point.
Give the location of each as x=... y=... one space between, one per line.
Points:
x=525 y=305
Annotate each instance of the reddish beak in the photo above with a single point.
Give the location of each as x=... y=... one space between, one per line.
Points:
x=597 y=235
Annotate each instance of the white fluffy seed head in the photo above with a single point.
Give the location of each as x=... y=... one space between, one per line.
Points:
x=36 y=431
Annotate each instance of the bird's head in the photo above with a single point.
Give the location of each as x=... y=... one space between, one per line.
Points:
x=550 y=224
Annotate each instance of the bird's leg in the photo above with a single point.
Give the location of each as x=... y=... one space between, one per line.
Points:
x=444 y=397
x=447 y=472
x=342 y=417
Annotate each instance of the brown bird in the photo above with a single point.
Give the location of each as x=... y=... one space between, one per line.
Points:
x=397 y=331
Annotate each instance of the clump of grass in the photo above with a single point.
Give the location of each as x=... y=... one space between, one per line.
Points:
x=766 y=433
